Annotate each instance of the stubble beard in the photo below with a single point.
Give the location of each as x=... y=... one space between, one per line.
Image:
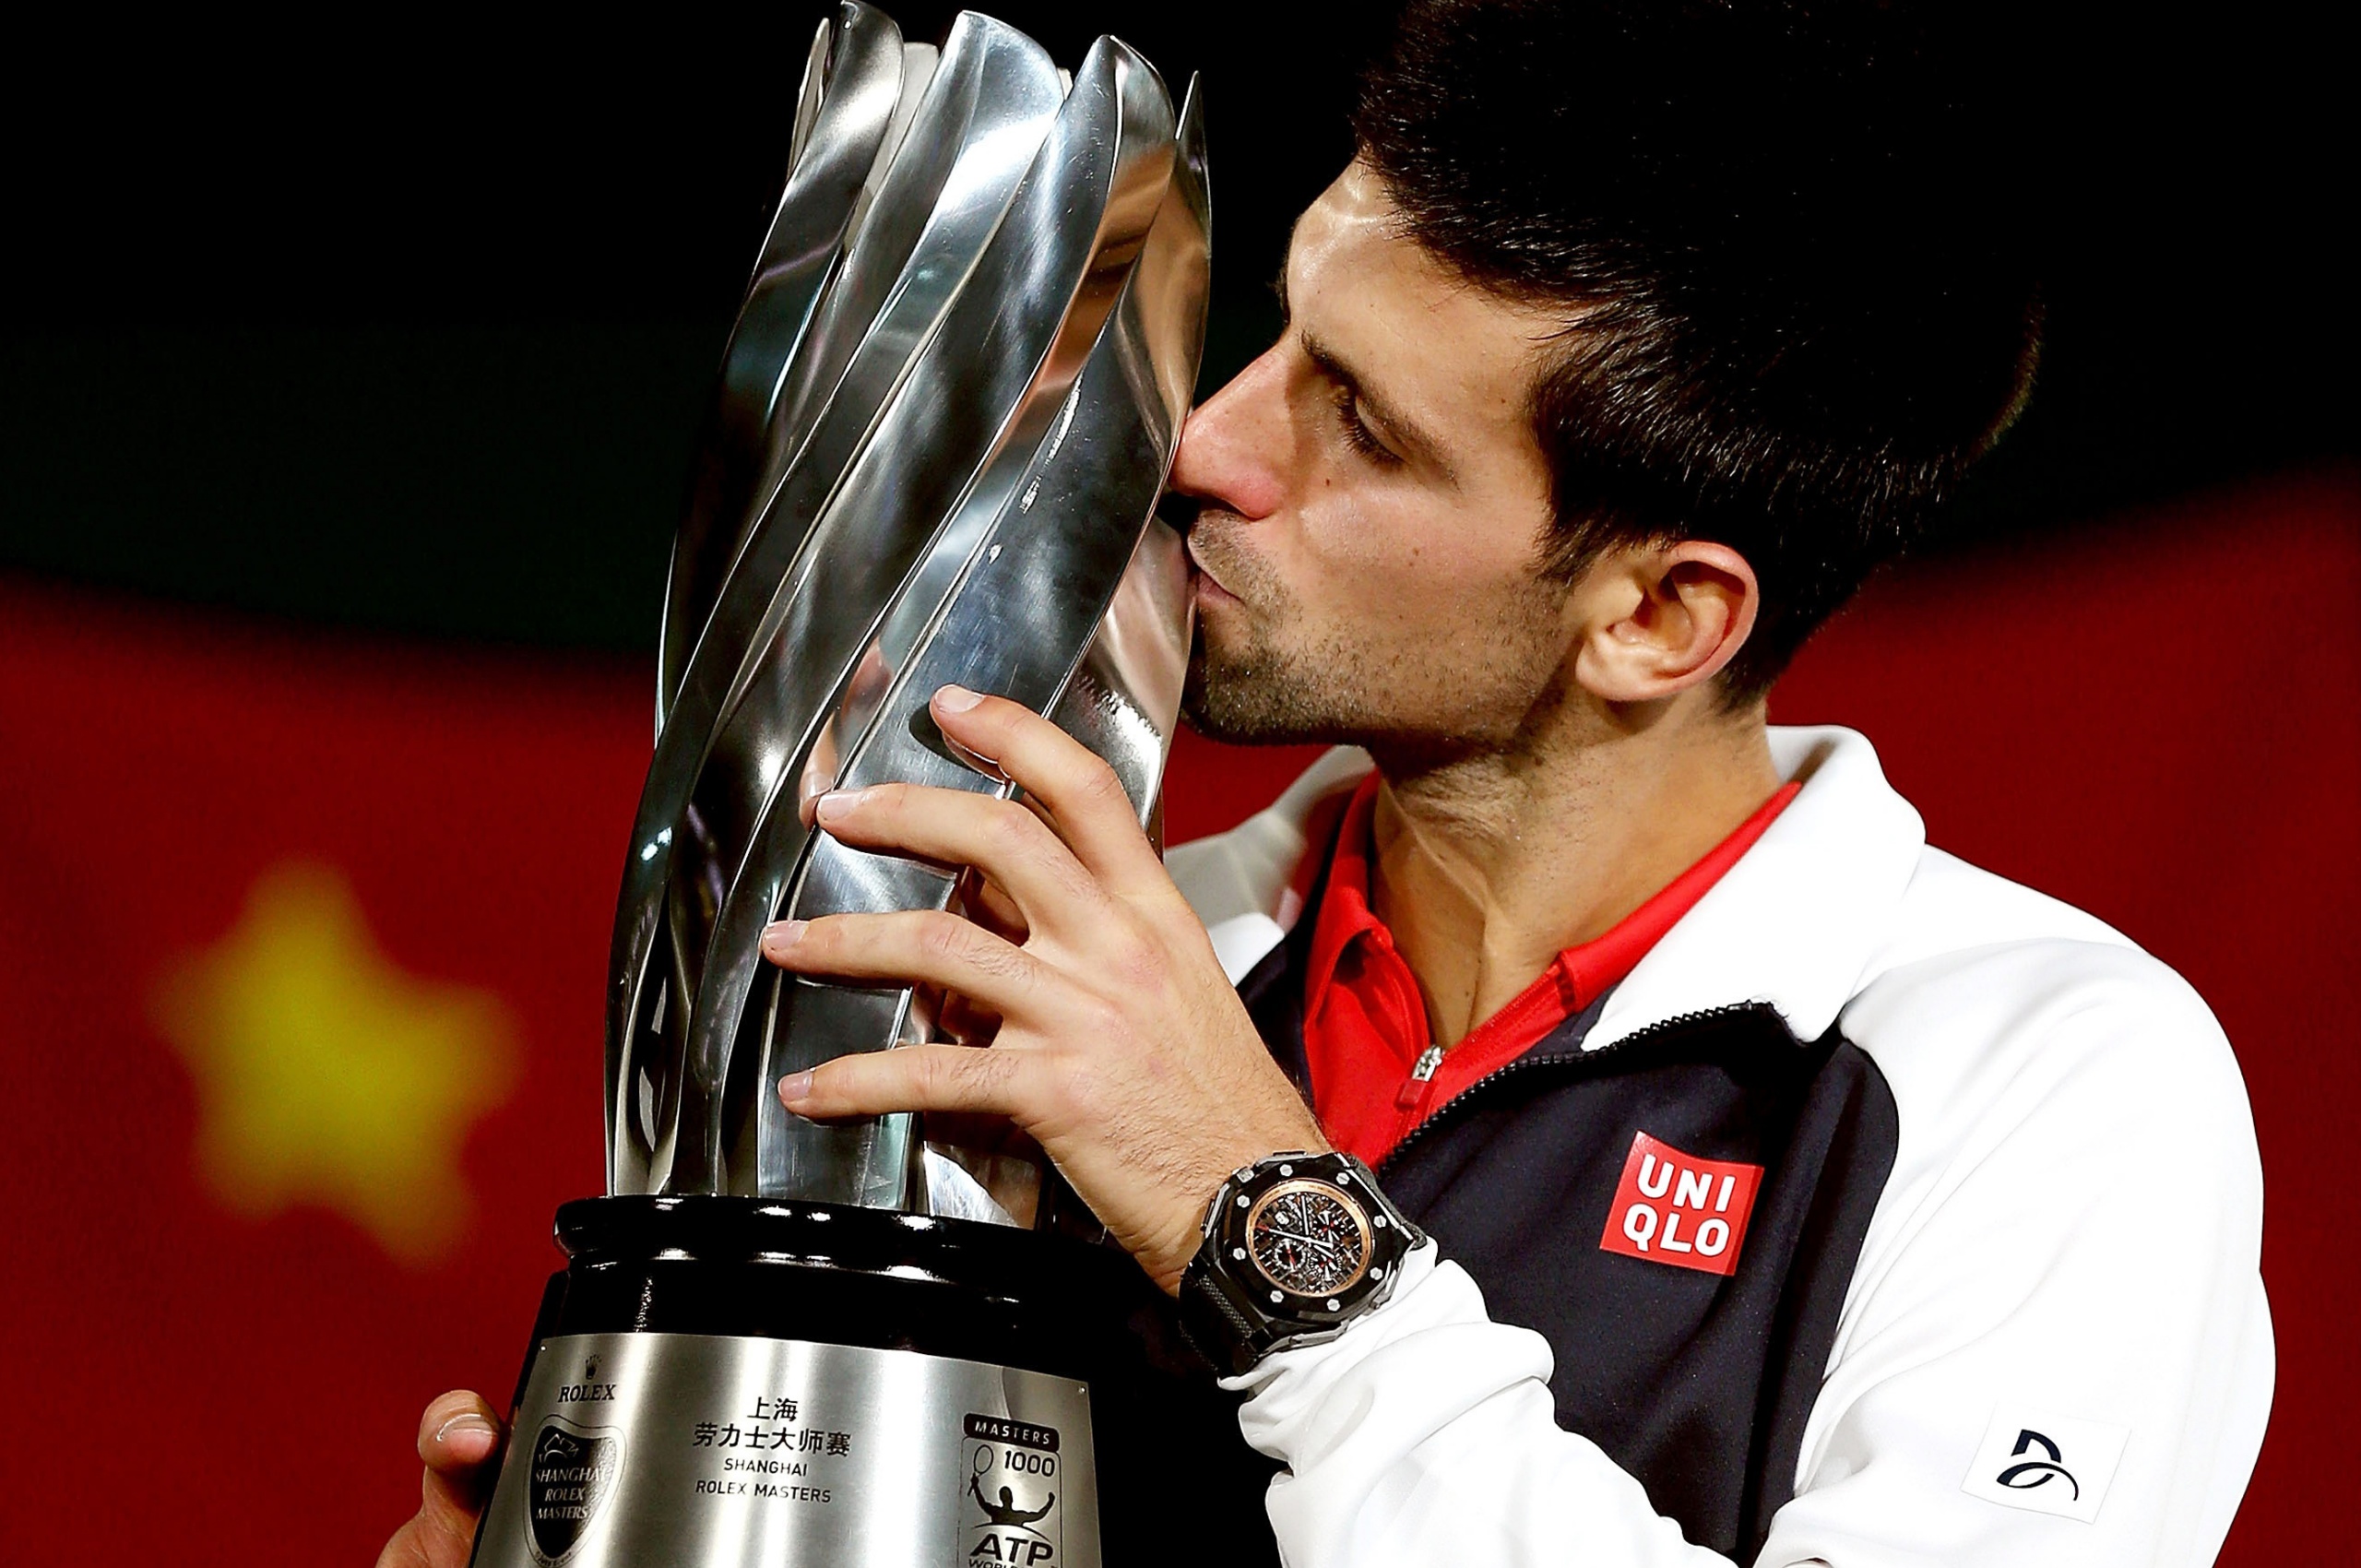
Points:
x=1245 y=690
x=1248 y=686
x=1255 y=696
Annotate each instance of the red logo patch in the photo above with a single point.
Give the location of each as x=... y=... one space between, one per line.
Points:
x=1674 y=1207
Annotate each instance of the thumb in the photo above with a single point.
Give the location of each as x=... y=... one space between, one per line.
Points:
x=457 y=1438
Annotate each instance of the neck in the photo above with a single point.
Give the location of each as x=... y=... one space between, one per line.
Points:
x=1487 y=866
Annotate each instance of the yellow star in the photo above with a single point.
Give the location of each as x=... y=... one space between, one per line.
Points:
x=327 y=1075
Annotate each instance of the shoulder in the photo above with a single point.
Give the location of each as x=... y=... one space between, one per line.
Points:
x=2029 y=1045
x=1980 y=981
x=1974 y=962
x=1949 y=904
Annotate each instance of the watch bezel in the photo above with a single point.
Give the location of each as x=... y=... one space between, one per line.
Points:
x=1229 y=1250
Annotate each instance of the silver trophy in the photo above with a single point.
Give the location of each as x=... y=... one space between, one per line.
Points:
x=944 y=421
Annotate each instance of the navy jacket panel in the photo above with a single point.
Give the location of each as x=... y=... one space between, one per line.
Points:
x=1697 y=1384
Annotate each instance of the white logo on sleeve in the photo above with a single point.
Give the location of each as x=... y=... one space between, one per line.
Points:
x=2048 y=1463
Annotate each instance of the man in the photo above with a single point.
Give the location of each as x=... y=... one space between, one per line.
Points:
x=1774 y=1188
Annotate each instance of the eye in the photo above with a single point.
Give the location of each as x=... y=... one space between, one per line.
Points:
x=1355 y=431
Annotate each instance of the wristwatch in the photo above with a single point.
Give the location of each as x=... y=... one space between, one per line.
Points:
x=1296 y=1247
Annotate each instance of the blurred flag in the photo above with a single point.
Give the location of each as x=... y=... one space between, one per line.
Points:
x=327 y=1075
x=302 y=950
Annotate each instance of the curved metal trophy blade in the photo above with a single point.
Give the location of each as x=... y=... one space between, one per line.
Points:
x=814 y=87
x=1018 y=624
x=849 y=303
x=1102 y=173
x=991 y=101
x=847 y=130
x=1123 y=704
x=857 y=509
x=852 y=89
x=984 y=114
x=1124 y=700
x=989 y=104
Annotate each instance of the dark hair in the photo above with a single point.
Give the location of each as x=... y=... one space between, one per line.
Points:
x=1802 y=297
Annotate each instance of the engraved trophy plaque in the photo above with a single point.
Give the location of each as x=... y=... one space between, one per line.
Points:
x=944 y=421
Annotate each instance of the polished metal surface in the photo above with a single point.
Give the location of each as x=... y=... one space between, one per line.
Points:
x=843 y=117
x=1124 y=700
x=987 y=107
x=917 y=409
x=959 y=446
x=957 y=438
x=1123 y=704
x=809 y=92
x=1064 y=251
x=1017 y=624
x=992 y=101
x=633 y=1449
x=852 y=89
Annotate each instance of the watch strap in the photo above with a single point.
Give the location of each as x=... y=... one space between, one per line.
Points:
x=1232 y=1341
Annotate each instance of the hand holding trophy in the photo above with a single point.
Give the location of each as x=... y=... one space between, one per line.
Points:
x=942 y=423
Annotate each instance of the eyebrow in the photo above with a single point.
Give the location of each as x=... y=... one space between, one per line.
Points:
x=1398 y=424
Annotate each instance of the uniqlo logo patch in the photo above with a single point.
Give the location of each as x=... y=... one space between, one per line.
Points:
x=1674 y=1207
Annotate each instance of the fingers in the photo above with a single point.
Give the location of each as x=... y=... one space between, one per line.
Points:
x=456 y=1439
x=1084 y=798
x=922 y=946
x=915 y=1077
x=1013 y=847
x=982 y=900
x=959 y=1020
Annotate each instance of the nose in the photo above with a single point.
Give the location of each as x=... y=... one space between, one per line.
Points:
x=1233 y=448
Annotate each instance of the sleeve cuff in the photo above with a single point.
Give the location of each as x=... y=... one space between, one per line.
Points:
x=1287 y=1390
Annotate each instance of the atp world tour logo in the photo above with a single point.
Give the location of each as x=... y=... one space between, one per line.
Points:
x=1010 y=1518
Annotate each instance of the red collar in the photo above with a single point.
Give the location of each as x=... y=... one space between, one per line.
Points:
x=1374 y=1073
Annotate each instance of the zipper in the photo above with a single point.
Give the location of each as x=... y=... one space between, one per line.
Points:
x=1415 y=1088
x=1425 y=1071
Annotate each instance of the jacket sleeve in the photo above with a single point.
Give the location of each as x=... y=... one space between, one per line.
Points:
x=1425 y=1435
x=2061 y=1275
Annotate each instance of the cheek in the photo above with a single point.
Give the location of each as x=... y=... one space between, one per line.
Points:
x=1406 y=568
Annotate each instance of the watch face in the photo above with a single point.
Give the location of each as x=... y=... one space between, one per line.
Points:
x=1308 y=1238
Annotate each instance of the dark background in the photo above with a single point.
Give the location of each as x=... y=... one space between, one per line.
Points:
x=412 y=328
x=333 y=358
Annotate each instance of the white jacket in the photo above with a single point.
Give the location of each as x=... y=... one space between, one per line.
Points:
x=2058 y=1286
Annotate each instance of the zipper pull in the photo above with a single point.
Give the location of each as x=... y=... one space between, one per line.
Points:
x=1413 y=1092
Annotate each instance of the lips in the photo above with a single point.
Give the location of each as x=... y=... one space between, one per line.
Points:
x=1206 y=580
x=1209 y=590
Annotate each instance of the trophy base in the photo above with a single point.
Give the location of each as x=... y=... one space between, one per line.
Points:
x=720 y=1382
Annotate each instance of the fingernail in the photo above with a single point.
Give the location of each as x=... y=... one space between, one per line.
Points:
x=780 y=935
x=836 y=802
x=794 y=1087
x=955 y=699
x=469 y=1424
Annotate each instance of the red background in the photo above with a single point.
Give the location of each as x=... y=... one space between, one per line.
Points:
x=2160 y=722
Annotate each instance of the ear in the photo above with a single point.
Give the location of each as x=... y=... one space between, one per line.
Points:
x=1659 y=620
